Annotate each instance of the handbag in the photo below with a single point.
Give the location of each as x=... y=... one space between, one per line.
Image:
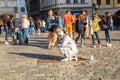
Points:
x=103 y=27
x=52 y=28
x=86 y=33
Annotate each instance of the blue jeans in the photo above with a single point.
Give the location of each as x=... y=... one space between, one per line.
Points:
x=2 y=30
x=107 y=35
x=6 y=32
x=31 y=30
x=93 y=38
x=25 y=34
x=112 y=26
x=82 y=38
x=17 y=36
x=39 y=30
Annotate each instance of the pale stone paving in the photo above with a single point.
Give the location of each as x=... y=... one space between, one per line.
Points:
x=35 y=62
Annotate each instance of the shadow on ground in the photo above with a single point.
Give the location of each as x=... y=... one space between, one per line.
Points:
x=44 y=58
x=38 y=56
x=41 y=43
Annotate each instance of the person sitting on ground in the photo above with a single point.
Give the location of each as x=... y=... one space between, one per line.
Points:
x=67 y=47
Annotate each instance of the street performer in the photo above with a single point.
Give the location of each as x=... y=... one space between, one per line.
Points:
x=67 y=47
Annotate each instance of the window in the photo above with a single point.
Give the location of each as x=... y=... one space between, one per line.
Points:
x=21 y=1
x=98 y=2
x=75 y=1
x=107 y=2
x=118 y=1
x=82 y=1
x=22 y=9
x=67 y=1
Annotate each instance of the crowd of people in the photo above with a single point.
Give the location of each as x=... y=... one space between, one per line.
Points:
x=75 y=27
x=63 y=31
x=20 y=28
x=81 y=26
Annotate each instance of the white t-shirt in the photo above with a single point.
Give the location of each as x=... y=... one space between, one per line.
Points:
x=25 y=23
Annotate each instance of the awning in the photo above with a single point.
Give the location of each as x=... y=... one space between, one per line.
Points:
x=112 y=11
x=117 y=13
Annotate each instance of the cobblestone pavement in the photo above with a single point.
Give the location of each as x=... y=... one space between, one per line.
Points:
x=35 y=62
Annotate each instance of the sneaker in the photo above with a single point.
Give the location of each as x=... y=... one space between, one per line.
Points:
x=28 y=35
x=99 y=45
x=59 y=45
x=39 y=33
x=6 y=43
x=110 y=45
x=65 y=59
x=82 y=46
x=107 y=44
x=94 y=46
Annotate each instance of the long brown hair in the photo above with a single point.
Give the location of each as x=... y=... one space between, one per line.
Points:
x=80 y=17
x=94 y=16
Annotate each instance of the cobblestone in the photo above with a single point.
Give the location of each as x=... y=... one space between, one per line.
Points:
x=35 y=62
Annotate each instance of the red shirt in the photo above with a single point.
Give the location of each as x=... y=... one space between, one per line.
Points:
x=68 y=19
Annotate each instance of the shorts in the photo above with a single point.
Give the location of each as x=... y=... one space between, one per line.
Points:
x=68 y=28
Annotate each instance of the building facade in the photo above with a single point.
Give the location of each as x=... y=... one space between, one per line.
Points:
x=61 y=6
x=39 y=8
x=34 y=9
x=113 y=6
x=12 y=6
